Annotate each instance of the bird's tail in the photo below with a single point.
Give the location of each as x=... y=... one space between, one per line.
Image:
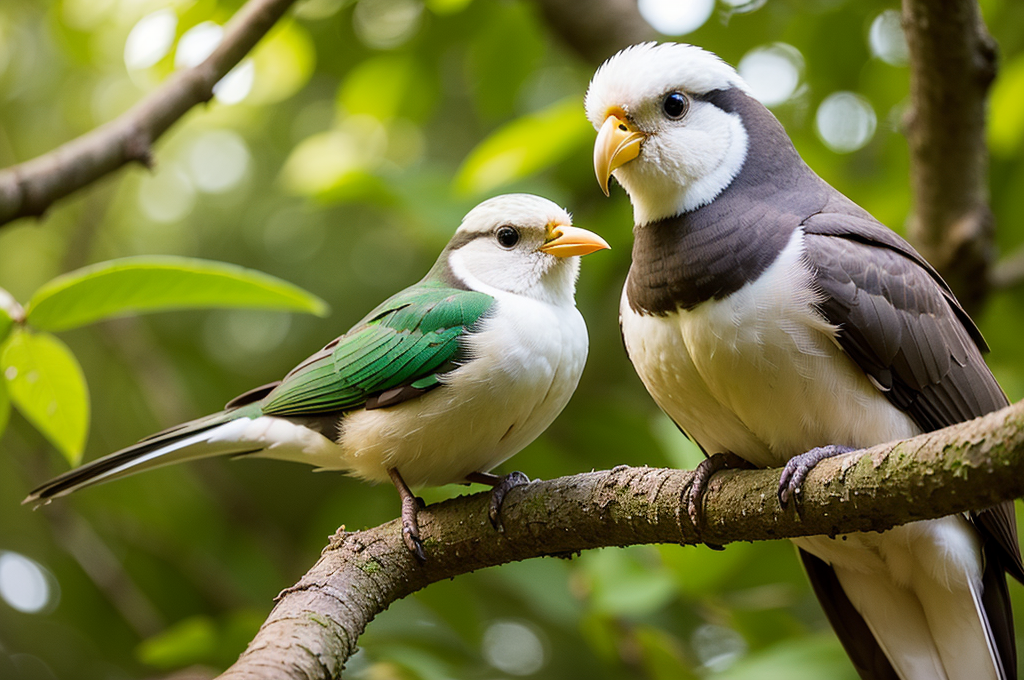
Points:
x=214 y=435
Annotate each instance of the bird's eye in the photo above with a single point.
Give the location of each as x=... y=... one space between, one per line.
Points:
x=507 y=236
x=675 y=105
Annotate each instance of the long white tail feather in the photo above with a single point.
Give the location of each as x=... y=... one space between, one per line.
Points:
x=218 y=440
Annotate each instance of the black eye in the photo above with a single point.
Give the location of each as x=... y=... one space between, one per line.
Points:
x=675 y=105
x=508 y=236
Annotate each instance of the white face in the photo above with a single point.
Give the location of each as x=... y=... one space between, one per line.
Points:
x=497 y=248
x=691 y=149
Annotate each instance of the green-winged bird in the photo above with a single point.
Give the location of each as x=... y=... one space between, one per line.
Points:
x=437 y=385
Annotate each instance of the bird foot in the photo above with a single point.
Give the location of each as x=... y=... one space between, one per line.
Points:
x=501 y=485
x=411 y=506
x=797 y=467
x=411 y=538
x=692 y=495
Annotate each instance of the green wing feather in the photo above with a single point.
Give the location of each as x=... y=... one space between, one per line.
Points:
x=407 y=341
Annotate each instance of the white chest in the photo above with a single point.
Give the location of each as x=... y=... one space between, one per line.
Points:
x=759 y=372
x=525 y=364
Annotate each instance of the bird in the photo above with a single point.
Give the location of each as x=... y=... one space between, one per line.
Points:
x=439 y=384
x=778 y=324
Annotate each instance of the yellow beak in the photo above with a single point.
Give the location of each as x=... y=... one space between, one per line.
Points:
x=566 y=241
x=618 y=142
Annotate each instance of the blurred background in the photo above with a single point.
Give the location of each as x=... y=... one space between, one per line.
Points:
x=340 y=156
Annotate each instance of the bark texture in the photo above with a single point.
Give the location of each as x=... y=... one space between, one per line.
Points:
x=952 y=64
x=29 y=189
x=316 y=624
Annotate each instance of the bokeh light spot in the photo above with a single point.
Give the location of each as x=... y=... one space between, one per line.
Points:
x=717 y=647
x=197 y=43
x=887 y=40
x=676 y=17
x=773 y=72
x=385 y=24
x=150 y=39
x=743 y=6
x=24 y=584
x=218 y=160
x=237 y=84
x=513 y=648
x=166 y=195
x=234 y=337
x=845 y=121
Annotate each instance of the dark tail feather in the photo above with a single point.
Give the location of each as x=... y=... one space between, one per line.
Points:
x=210 y=436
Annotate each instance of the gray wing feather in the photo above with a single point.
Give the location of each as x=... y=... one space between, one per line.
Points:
x=902 y=325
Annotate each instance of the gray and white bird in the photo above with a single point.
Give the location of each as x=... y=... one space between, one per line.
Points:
x=439 y=384
x=773 y=318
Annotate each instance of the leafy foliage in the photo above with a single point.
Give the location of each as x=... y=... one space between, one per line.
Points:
x=46 y=383
x=151 y=284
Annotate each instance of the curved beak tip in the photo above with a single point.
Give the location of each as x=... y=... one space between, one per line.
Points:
x=618 y=142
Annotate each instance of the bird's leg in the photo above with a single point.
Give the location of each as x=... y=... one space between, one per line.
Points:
x=692 y=495
x=501 y=485
x=797 y=467
x=410 y=525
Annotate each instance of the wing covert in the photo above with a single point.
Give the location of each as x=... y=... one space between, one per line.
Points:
x=405 y=342
x=902 y=325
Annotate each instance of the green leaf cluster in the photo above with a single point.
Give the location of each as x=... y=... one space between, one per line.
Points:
x=42 y=377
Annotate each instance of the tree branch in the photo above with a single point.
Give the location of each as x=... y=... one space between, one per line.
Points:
x=29 y=189
x=316 y=623
x=952 y=64
x=599 y=30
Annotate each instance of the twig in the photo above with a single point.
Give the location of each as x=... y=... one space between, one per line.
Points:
x=29 y=189
x=316 y=623
x=952 y=64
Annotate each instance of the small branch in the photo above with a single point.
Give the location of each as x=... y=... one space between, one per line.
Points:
x=599 y=28
x=29 y=189
x=315 y=625
x=952 y=64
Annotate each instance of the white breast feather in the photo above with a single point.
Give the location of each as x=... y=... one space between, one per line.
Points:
x=759 y=372
x=527 y=361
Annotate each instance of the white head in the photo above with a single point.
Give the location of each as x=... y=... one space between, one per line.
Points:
x=672 y=151
x=521 y=244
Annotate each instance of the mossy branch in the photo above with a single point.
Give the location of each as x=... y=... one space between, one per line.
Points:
x=316 y=623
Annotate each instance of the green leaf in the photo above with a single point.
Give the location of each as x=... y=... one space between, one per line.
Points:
x=5 y=324
x=159 y=283
x=190 y=641
x=9 y=310
x=1006 y=109
x=46 y=384
x=5 y=407
x=386 y=87
x=524 y=146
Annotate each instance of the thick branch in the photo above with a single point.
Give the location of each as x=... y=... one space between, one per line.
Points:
x=952 y=64
x=314 y=627
x=29 y=189
x=599 y=29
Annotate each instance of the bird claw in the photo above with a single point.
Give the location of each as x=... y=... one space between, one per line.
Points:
x=692 y=495
x=797 y=468
x=411 y=538
x=411 y=506
x=498 y=493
